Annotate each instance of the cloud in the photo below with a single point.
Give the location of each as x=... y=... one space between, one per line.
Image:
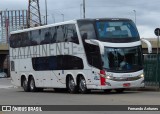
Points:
x=147 y=11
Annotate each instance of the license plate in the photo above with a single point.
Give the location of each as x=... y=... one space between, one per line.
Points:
x=126 y=85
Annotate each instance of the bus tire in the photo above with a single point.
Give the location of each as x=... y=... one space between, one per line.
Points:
x=72 y=87
x=32 y=86
x=25 y=85
x=82 y=86
x=119 y=90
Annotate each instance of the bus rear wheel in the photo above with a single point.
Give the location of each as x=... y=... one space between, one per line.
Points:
x=32 y=86
x=72 y=87
x=25 y=85
x=82 y=86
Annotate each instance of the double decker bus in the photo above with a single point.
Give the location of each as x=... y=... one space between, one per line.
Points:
x=78 y=55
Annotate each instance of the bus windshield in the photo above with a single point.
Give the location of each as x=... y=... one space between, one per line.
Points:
x=122 y=59
x=116 y=29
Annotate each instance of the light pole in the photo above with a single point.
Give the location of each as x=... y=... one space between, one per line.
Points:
x=62 y=16
x=53 y=17
x=81 y=10
x=135 y=16
x=84 y=9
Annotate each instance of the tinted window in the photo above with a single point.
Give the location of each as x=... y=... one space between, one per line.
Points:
x=60 y=62
x=50 y=35
x=53 y=33
x=93 y=55
x=72 y=62
x=123 y=59
x=13 y=40
x=17 y=40
x=117 y=31
x=25 y=41
x=87 y=30
x=60 y=34
x=71 y=34
x=33 y=38
x=46 y=36
x=41 y=63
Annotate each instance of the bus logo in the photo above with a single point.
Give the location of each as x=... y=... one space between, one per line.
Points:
x=6 y=108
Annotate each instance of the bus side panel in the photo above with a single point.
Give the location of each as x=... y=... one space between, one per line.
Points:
x=58 y=79
x=14 y=71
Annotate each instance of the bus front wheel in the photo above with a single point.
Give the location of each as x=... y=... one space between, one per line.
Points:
x=82 y=86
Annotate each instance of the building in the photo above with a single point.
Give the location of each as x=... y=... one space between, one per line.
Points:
x=11 y=20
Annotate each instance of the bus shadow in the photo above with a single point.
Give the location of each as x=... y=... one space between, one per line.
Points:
x=92 y=92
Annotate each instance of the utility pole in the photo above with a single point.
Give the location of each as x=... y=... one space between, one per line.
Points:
x=46 y=12
x=34 y=16
x=84 y=9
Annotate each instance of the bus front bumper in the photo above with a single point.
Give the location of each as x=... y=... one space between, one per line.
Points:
x=109 y=84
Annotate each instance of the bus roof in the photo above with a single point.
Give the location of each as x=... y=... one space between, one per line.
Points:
x=44 y=26
x=68 y=22
x=107 y=19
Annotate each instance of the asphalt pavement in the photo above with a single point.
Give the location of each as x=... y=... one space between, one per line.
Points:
x=10 y=95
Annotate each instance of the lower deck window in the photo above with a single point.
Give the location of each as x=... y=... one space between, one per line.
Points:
x=60 y=62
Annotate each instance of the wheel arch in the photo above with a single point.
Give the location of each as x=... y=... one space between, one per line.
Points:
x=78 y=78
x=67 y=78
x=30 y=76
x=23 y=77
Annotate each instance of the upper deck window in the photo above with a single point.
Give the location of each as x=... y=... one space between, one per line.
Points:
x=50 y=35
x=116 y=31
x=87 y=30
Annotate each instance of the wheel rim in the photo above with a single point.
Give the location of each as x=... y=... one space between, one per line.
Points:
x=32 y=84
x=71 y=84
x=82 y=85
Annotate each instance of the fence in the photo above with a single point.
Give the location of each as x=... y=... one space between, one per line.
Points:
x=152 y=70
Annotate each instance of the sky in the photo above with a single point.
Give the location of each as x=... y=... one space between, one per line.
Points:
x=147 y=11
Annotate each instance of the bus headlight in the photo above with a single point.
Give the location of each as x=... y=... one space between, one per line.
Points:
x=110 y=77
x=142 y=75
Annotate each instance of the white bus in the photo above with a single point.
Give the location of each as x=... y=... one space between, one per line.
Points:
x=78 y=55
